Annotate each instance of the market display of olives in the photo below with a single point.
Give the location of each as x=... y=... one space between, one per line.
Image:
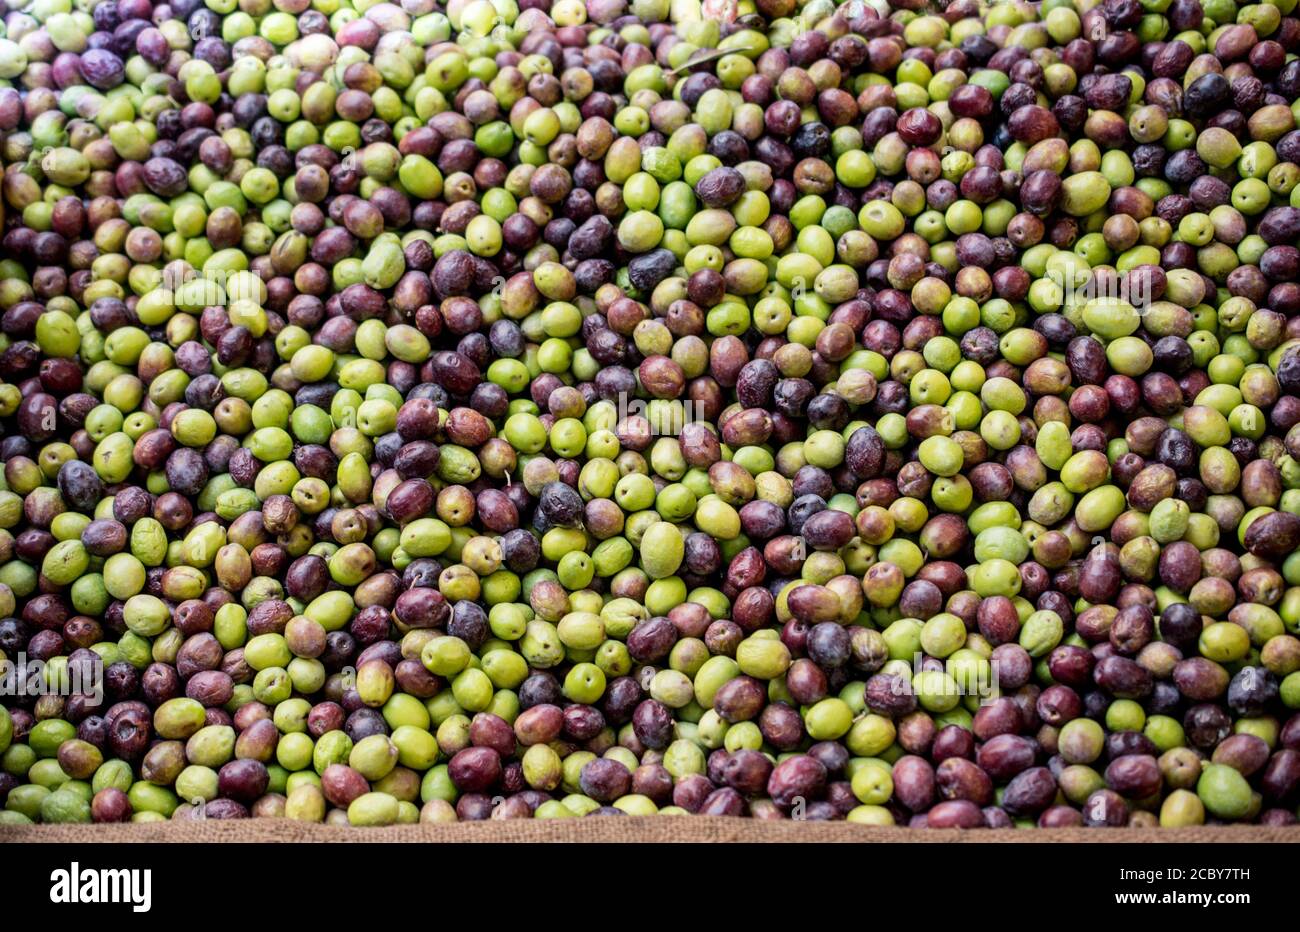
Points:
x=493 y=409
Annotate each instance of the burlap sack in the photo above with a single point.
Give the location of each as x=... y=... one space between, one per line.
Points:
x=653 y=830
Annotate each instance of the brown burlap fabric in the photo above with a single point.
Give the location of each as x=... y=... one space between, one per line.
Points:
x=653 y=830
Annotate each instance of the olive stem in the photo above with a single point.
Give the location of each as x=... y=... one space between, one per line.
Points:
x=704 y=60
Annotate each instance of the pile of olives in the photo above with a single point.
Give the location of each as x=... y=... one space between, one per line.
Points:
x=548 y=408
